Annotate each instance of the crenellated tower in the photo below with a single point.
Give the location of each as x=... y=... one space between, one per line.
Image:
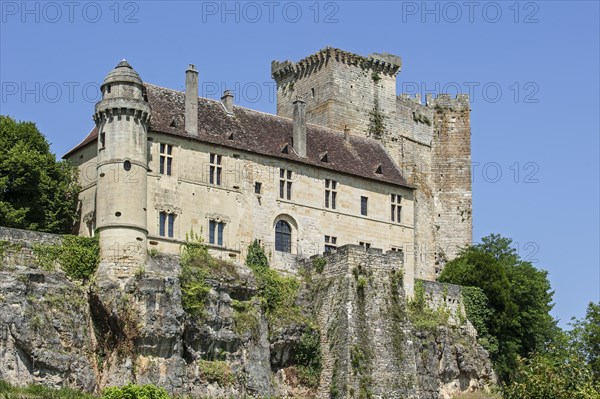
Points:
x=431 y=142
x=341 y=90
x=122 y=118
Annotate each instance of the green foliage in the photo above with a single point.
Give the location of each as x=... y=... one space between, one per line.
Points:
x=131 y=391
x=277 y=292
x=518 y=295
x=194 y=261
x=245 y=317
x=216 y=371
x=9 y=246
x=560 y=372
x=308 y=358
x=375 y=76
x=77 y=256
x=421 y=315
x=357 y=357
x=586 y=338
x=361 y=283
x=420 y=118
x=479 y=314
x=8 y=391
x=256 y=257
x=36 y=191
x=319 y=264
x=376 y=126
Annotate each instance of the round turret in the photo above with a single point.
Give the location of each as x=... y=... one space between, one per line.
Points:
x=122 y=118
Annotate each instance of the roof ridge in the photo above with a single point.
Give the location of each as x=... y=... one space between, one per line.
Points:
x=275 y=116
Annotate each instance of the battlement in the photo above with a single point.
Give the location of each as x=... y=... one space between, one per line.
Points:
x=352 y=260
x=444 y=100
x=416 y=98
x=384 y=63
x=16 y=246
x=448 y=298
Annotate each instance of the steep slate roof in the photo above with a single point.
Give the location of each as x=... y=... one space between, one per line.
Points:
x=266 y=134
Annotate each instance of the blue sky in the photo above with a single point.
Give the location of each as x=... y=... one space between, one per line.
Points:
x=532 y=69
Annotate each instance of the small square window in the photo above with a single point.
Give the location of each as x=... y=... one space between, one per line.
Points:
x=257 y=187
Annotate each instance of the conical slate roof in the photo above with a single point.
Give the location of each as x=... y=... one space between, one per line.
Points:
x=123 y=72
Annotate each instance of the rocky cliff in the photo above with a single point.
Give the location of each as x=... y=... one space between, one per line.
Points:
x=112 y=331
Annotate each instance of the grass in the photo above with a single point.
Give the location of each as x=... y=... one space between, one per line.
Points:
x=476 y=395
x=8 y=391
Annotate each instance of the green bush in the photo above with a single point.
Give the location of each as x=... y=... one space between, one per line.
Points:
x=245 y=317
x=319 y=264
x=276 y=291
x=308 y=357
x=216 y=371
x=77 y=256
x=421 y=315
x=131 y=391
x=194 y=289
x=479 y=314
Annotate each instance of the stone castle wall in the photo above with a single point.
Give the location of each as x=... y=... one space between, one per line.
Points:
x=430 y=141
x=16 y=245
x=369 y=345
x=189 y=194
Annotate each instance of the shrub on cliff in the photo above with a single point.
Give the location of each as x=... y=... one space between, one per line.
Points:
x=195 y=260
x=77 y=256
x=277 y=292
x=37 y=192
x=132 y=391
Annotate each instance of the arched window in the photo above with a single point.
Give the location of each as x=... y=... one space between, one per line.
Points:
x=283 y=236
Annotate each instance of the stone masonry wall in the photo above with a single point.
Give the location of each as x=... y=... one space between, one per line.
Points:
x=369 y=346
x=451 y=176
x=430 y=142
x=341 y=90
x=16 y=245
x=359 y=303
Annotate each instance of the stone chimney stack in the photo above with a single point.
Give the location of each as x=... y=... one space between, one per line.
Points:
x=299 y=134
x=227 y=101
x=191 y=100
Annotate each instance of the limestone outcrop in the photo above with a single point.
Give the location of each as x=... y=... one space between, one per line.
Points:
x=117 y=330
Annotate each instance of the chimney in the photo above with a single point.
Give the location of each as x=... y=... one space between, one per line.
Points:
x=299 y=135
x=191 y=100
x=227 y=101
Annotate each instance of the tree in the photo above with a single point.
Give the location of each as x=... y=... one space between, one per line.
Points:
x=517 y=294
x=563 y=370
x=36 y=191
x=586 y=338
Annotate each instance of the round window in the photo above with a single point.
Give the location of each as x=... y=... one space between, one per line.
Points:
x=127 y=165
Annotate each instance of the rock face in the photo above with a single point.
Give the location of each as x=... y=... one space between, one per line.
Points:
x=369 y=344
x=119 y=330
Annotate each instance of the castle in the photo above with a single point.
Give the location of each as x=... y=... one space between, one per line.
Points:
x=344 y=161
